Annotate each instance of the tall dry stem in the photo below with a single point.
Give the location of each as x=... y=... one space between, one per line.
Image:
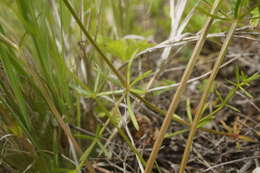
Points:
x=180 y=89
x=205 y=95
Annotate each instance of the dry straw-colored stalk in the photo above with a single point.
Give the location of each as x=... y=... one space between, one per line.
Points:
x=180 y=89
x=205 y=94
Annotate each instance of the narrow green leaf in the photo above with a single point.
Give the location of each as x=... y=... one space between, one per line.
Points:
x=131 y=113
x=236 y=7
x=246 y=92
x=137 y=91
x=169 y=135
x=140 y=77
x=188 y=110
x=233 y=108
x=129 y=68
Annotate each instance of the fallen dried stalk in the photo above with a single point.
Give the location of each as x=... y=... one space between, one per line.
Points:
x=230 y=162
x=188 y=38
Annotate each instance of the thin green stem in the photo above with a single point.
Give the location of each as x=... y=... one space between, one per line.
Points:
x=205 y=96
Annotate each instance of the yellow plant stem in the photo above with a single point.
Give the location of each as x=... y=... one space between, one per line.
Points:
x=205 y=95
x=180 y=89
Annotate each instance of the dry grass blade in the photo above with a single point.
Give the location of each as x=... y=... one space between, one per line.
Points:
x=177 y=27
x=233 y=161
